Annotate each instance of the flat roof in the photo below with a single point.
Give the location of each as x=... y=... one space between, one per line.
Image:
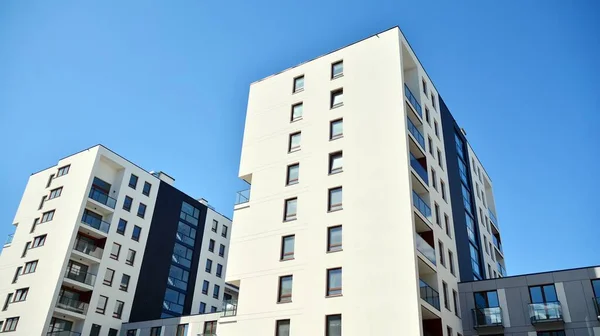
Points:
x=535 y=273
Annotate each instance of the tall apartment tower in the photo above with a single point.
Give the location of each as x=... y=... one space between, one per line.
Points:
x=350 y=221
x=100 y=241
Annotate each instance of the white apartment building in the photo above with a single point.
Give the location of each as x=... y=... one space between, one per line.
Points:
x=99 y=241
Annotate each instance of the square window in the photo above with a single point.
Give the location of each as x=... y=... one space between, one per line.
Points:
x=11 y=324
x=336 y=129
x=285 y=289
x=21 y=295
x=336 y=163
x=133 y=180
x=115 y=251
x=335 y=199
x=38 y=241
x=297 y=110
x=337 y=69
x=221 y=250
x=147 y=187
x=118 y=309
x=291 y=206
x=337 y=98
x=95 y=331
x=334 y=238
x=334 y=325
x=299 y=84
x=293 y=172
x=224 y=231
x=141 y=210
x=282 y=328
x=130 y=257
x=47 y=216
x=122 y=226
x=287 y=247
x=334 y=281
x=30 y=267
x=137 y=231
x=294 y=142
x=108 y=277
x=54 y=193
x=127 y=203
x=124 y=282
x=63 y=171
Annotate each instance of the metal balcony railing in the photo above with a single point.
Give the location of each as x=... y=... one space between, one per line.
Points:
x=414 y=163
x=80 y=276
x=421 y=205
x=415 y=132
x=413 y=100
x=501 y=269
x=88 y=248
x=72 y=305
x=429 y=295
x=102 y=197
x=242 y=196
x=497 y=243
x=96 y=223
x=63 y=333
x=545 y=312
x=493 y=218
x=229 y=308
x=487 y=317
x=425 y=249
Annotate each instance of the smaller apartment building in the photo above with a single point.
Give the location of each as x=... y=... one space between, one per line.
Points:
x=556 y=303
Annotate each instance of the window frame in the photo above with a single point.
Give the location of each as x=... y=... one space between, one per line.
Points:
x=296 y=148
x=55 y=193
x=285 y=256
x=205 y=290
x=289 y=181
x=124 y=285
x=287 y=217
x=141 y=213
x=331 y=128
x=41 y=240
x=133 y=181
x=339 y=92
x=118 y=311
x=296 y=88
x=108 y=282
x=103 y=309
x=282 y=323
x=119 y=231
x=127 y=260
x=333 y=291
x=144 y=191
x=294 y=118
x=285 y=298
x=30 y=267
x=334 y=247
x=127 y=203
x=337 y=206
x=222 y=250
x=134 y=236
x=62 y=171
x=340 y=74
x=114 y=255
x=332 y=157
x=328 y=320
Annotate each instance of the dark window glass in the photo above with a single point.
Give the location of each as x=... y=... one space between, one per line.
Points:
x=108 y=277
x=137 y=231
x=141 y=210
x=334 y=325
x=292 y=174
x=124 y=283
x=287 y=247
x=219 y=270
x=202 y=307
x=596 y=286
x=127 y=203
x=337 y=98
x=334 y=238
x=122 y=226
x=95 y=331
x=211 y=245
x=282 y=328
x=208 y=267
x=285 y=288
x=155 y=331
x=130 y=257
x=334 y=281
x=543 y=294
x=210 y=328
x=147 y=187
x=118 y=309
x=221 y=250
x=336 y=163
x=101 y=307
x=216 y=290
x=205 y=286
x=133 y=180
x=294 y=144
x=487 y=299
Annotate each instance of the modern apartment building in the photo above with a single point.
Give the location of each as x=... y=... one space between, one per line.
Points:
x=556 y=303
x=99 y=241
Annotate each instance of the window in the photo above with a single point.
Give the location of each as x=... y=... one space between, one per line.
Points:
x=221 y=250
x=63 y=171
x=147 y=187
x=336 y=163
x=224 y=231
x=181 y=330
x=297 y=112
x=596 y=287
x=211 y=245
x=101 y=307
x=337 y=98
x=115 y=251
x=489 y=270
x=127 y=203
x=137 y=231
x=178 y=277
x=141 y=210
x=334 y=325
x=430 y=144
x=424 y=86
x=434 y=179
x=35 y=223
x=439 y=158
x=435 y=129
x=213 y=309
x=47 y=216
x=448 y=331
x=216 y=290
x=130 y=257
x=182 y=255
x=436 y=209
x=287 y=248
x=282 y=328
x=133 y=180
x=219 y=270
x=443 y=189
x=485 y=243
x=54 y=193
x=451 y=262
x=42 y=202
x=445 y=289
x=124 y=282
x=173 y=302
x=433 y=100
x=202 y=307
x=122 y=226
x=336 y=129
x=95 y=331
x=7 y=301
x=334 y=238
x=294 y=142
x=50 y=180
x=30 y=267
x=113 y=332
x=299 y=84
x=291 y=206
x=118 y=309
x=292 y=174
x=108 y=277
x=11 y=324
x=210 y=328
x=543 y=294
x=155 y=331
x=447 y=225
x=17 y=273
x=455 y=302
x=189 y=214
x=427 y=115
x=215 y=225
x=205 y=285
x=337 y=69
x=487 y=299
x=208 y=267
x=21 y=294
x=442 y=253
x=334 y=281
x=39 y=241
x=335 y=199
x=285 y=289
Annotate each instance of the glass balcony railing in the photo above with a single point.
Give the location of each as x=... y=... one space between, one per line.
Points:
x=597 y=306
x=242 y=197
x=545 y=312
x=425 y=249
x=497 y=243
x=9 y=238
x=501 y=269
x=63 y=333
x=72 y=305
x=102 y=197
x=421 y=205
x=415 y=132
x=229 y=308
x=88 y=248
x=414 y=163
x=429 y=295
x=80 y=276
x=487 y=317
x=493 y=218
x=96 y=223
x=413 y=100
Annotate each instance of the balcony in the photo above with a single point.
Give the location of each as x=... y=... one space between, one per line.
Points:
x=415 y=132
x=414 y=163
x=72 y=305
x=501 y=269
x=497 y=243
x=421 y=205
x=597 y=306
x=493 y=218
x=426 y=250
x=229 y=308
x=242 y=197
x=81 y=276
x=63 y=333
x=102 y=198
x=545 y=312
x=89 y=248
x=487 y=317
x=413 y=100
x=9 y=239
x=429 y=295
x=96 y=223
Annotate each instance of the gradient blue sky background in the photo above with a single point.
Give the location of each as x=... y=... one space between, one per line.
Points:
x=165 y=84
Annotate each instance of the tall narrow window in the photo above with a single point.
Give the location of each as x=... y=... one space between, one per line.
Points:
x=118 y=309
x=115 y=251
x=219 y=271
x=101 y=307
x=156 y=331
x=133 y=180
x=334 y=281
x=334 y=238
x=205 y=285
x=433 y=98
x=130 y=257
x=439 y=158
x=224 y=231
x=50 y=180
x=27 y=246
x=451 y=262
x=113 y=332
x=216 y=290
x=35 y=223
x=424 y=86
x=124 y=282
x=445 y=289
x=63 y=171
x=336 y=129
x=202 y=307
x=221 y=250
x=430 y=144
x=337 y=98
x=291 y=206
x=285 y=289
x=336 y=163
x=141 y=210
x=448 y=331
x=282 y=328
x=297 y=111
x=121 y=226
x=293 y=172
x=42 y=202
x=108 y=277
x=95 y=331
x=455 y=301
x=7 y=301
x=447 y=225
x=442 y=253
x=294 y=142
x=335 y=199
x=485 y=243
x=334 y=325
x=127 y=202
x=211 y=245
x=443 y=189
x=299 y=84
x=435 y=129
x=17 y=273
x=287 y=247
x=146 y=189
x=434 y=179
x=436 y=208
x=337 y=69
x=137 y=231
x=215 y=225
x=208 y=267
x=427 y=118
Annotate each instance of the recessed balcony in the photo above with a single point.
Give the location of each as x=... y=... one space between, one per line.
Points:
x=421 y=206
x=418 y=168
x=425 y=248
x=95 y=221
x=88 y=248
x=102 y=197
x=429 y=295
x=71 y=307
x=493 y=218
x=242 y=199
x=414 y=101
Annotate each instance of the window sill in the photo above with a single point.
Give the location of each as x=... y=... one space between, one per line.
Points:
x=295 y=120
x=288 y=259
x=290 y=220
x=142 y=217
x=336 y=172
x=336 y=106
x=334 y=251
x=336 y=137
x=284 y=302
x=333 y=296
x=293 y=150
x=291 y=184
x=335 y=210
x=298 y=91
x=337 y=76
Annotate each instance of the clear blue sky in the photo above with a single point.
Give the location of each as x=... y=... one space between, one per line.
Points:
x=165 y=84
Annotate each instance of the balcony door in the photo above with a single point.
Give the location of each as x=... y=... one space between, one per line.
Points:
x=77 y=271
x=57 y=326
x=487 y=308
x=545 y=302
